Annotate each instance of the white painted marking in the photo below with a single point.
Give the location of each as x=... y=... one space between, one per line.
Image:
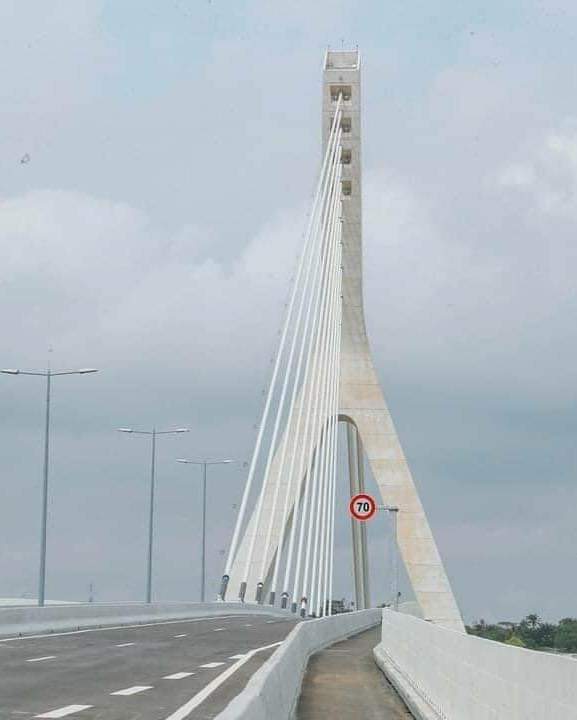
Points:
x=212 y=664
x=116 y=627
x=63 y=711
x=218 y=629
x=237 y=657
x=183 y=635
x=248 y=625
x=177 y=676
x=46 y=657
x=133 y=690
x=125 y=644
x=268 y=622
x=200 y=697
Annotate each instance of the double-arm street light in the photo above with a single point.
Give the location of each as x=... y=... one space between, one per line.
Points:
x=204 y=464
x=48 y=374
x=153 y=434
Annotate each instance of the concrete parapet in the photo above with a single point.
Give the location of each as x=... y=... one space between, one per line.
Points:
x=63 y=618
x=273 y=691
x=446 y=675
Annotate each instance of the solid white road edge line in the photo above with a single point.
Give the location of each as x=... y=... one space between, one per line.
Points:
x=200 y=697
x=115 y=627
x=46 y=657
x=63 y=711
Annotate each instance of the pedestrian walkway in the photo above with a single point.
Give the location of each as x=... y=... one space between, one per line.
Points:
x=343 y=681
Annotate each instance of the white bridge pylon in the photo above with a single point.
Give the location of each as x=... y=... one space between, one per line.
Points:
x=282 y=550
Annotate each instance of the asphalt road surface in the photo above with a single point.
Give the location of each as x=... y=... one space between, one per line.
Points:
x=163 y=671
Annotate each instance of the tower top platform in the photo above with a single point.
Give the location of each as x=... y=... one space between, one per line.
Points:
x=341 y=60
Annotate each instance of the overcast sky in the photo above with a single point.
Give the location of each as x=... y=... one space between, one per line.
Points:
x=156 y=165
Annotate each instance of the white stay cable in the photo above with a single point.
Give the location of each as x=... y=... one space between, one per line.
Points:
x=310 y=436
x=279 y=415
x=248 y=486
x=323 y=414
x=329 y=508
x=304 y=386
x=335 y=465
x=318 y=581
x=324 y=443
x=320 y=543
x=295 y=425
x=307 y=390
x=319 y=475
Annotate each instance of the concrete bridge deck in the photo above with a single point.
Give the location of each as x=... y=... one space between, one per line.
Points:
x=344 y=682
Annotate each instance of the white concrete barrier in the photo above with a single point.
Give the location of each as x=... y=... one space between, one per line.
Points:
x=62 y=618
x=273 y=691
x=453 y=676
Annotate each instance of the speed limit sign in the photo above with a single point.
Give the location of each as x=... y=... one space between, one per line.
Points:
x=362 y=506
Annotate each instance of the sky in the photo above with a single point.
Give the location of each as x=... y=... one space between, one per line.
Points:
x=157 y=161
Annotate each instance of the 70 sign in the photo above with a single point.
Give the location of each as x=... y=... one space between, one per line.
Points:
x=362 y=507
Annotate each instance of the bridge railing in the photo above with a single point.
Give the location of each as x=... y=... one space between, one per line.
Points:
x=63 y=618
x=452 y=676
x=273 y=691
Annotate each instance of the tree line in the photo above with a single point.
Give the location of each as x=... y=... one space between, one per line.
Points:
x=532 y=632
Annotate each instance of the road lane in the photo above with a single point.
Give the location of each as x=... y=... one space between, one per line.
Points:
x=147 y=672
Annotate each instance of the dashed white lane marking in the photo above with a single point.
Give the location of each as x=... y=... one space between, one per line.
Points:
x=46 y=657
x=116 y=627
x=64 y=711
x=212 y=664
x=194 y=702
x=237 y=657
x=248 y=625
x=125 y=644
x=182 y=635
x=133 y=690
x=218 y=629
x=177 y=676
x=268 y=622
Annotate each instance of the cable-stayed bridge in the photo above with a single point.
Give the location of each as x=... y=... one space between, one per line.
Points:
x=244 y=656
x=324 y=374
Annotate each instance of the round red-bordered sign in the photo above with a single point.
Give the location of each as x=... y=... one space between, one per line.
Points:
x=362 y=506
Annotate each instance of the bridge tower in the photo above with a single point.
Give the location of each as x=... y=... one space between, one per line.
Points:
x=361 y=405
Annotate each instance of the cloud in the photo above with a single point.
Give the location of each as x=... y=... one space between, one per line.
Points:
x=547 y=177
x=96 y=277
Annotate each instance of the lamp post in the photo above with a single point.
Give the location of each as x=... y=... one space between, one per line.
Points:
x=204 y=464
x=153 y=434
x=393 y=511
x=48 y=374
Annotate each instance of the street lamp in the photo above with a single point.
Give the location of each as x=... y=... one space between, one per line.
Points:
x=204 y=463
x=48 y=374
x=394 y=513
x=154 y=433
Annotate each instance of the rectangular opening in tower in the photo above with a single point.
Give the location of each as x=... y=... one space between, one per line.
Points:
x=346 y=124
x=344 y=90
x=346 y=156
x=347 y=187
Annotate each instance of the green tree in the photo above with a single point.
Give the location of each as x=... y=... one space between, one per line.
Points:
x=566 y=635
x=515 y=640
